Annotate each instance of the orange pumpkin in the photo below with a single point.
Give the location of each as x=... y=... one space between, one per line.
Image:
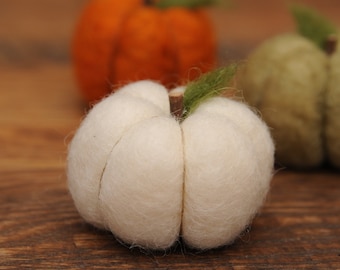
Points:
x=116 y=42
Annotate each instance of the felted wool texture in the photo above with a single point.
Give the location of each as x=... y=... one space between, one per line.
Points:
x=285 y=78
x=332 y=126
x=137 y=171
x=250 y=124
x=141 y=193
x=102 y=128
x=227 y=172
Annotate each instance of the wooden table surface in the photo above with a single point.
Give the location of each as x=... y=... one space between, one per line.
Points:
x=298 y=227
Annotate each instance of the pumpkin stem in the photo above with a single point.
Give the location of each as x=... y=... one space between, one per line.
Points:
x=330 y=44
x=148 y=2
x=176 y=104
x=209 y=85
x=184 y=100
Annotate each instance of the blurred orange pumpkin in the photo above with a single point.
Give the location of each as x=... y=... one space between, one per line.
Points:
x=116 y=42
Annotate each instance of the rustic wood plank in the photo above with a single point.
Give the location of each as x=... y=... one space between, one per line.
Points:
x=40 y=228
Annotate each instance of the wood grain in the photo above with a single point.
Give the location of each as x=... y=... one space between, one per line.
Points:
x=298 y=227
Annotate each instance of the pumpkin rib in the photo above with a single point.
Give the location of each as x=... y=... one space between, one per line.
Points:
x=156 y=61
x=137 y=198
x=190 y=27
x=115 y=50
x=97 y=122
x=92 y=41
x=110 y=153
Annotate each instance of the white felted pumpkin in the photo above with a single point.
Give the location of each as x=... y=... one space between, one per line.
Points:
x=138 y=171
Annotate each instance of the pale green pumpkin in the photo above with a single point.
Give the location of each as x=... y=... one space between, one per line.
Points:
x=332 y=108
x=296 y=87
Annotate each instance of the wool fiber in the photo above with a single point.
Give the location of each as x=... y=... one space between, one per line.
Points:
x=285 y=79
x=147 y=177
x=295 y=86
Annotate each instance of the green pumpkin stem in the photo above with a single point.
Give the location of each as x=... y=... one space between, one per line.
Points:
x=212 y=84
x=313 y=26
x=209 y=85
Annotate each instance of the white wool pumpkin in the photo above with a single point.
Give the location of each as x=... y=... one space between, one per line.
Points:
x=136 y=170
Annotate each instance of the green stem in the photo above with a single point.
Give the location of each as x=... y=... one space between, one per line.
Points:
x=312 y=25
x=207 y=86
